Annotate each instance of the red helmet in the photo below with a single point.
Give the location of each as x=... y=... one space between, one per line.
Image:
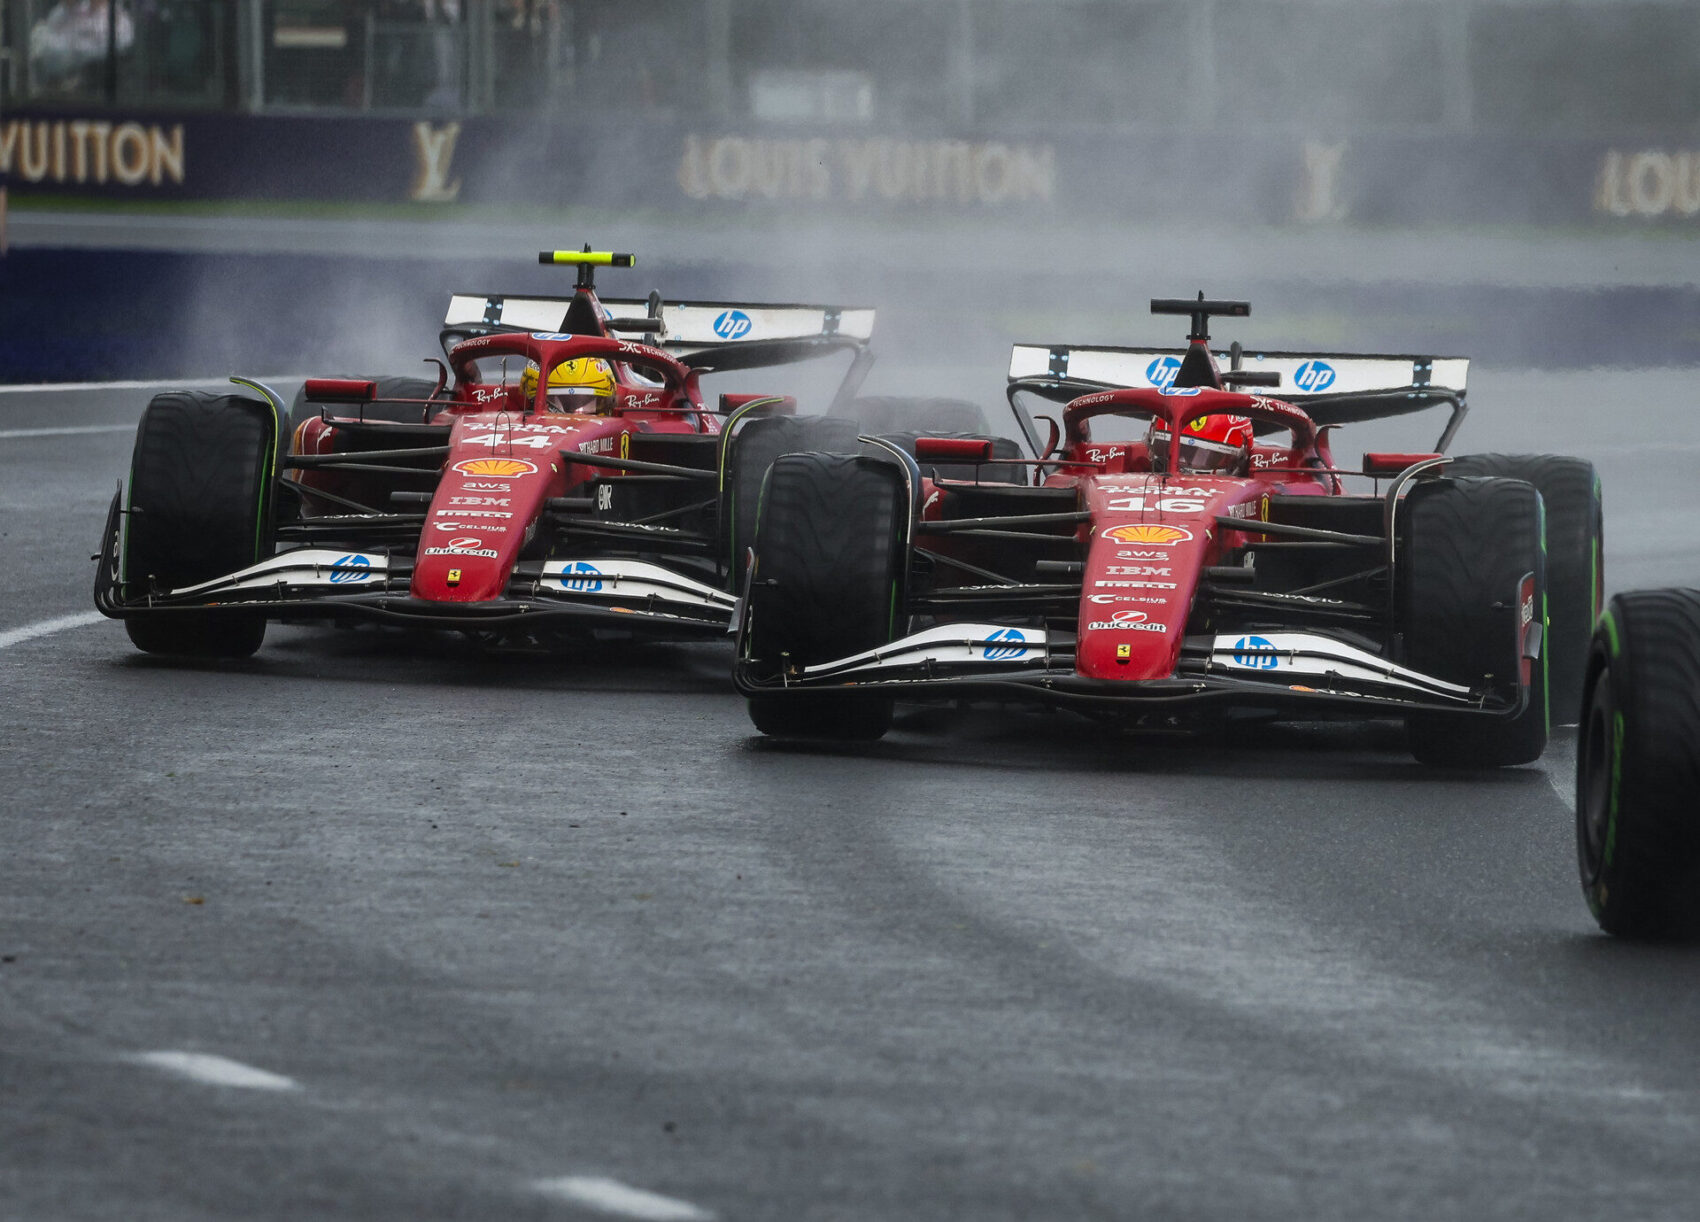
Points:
x=1209 y=445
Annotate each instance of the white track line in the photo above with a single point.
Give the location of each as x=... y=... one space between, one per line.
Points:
x=215 y=1071
x=47 y=627
x=69 y=430
x=612 y=1197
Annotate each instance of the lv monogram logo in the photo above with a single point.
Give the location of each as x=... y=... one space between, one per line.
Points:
x=433 y=157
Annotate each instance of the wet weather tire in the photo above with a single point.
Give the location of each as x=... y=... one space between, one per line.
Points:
x=1638 y=767
x=753 y=451
x=826 y=584
x=1575 y=570
x=200 y=506
x=1468 y=543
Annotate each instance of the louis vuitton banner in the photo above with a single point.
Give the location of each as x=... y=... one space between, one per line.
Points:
x=667 y=166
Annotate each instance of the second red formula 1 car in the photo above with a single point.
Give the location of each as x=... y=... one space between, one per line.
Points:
x=556 y=477
x=1189 y=547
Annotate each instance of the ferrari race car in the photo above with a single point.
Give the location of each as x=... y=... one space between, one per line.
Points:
x=1186 y=547
x=566 y=478
x=1638 y=767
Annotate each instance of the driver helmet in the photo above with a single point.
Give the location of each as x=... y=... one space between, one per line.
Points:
x=583 y=386
x=1210 y=445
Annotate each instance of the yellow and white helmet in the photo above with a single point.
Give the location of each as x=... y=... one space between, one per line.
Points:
x=584 y=385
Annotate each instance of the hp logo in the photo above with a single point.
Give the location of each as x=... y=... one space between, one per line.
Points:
x=732 y=324
x=1161 y=372
x=1256 y=652
x=583 y=577
x=1313 y=376
x=1014 y=646
x=349 y=568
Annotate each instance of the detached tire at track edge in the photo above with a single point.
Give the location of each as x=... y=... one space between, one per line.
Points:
x=1638 y=767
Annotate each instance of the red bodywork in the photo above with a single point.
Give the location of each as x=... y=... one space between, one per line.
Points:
x=1151 y=536
x=503 y=462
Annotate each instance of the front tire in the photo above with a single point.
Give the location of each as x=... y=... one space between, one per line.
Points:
x=1638 y=767
x=753 y=451
x=1468 y=544
x=200 y=506
x=1570 y=489
x=827 y=583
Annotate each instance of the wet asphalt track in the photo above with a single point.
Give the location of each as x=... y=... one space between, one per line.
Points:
x=561 y=938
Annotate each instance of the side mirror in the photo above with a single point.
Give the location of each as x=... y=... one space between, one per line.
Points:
x=340 y=390
x=1382 y=465
x=953 y=449
x=768 y=405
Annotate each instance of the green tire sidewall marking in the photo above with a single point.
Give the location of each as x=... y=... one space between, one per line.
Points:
x=1615 y=787
x=266 y=471
x=1608 y=621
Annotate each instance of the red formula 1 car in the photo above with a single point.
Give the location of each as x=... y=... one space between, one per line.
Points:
x=1187 y=547
x=564 y=479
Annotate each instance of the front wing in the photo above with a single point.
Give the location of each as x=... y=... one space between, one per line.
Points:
x=1296 y=672
x=324 y=583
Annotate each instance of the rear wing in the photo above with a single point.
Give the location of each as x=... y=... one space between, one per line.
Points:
x=1332 y=388
x=687 y=327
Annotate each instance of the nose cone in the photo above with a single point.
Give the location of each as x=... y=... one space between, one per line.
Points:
x=476 y=525
x=1152 y=538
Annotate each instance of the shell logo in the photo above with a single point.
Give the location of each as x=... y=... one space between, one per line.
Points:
x=1149 y=534
x=495 y=466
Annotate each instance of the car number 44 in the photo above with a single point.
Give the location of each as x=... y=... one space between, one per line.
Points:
x=498 y=440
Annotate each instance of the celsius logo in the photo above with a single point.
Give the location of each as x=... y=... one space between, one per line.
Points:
x=733 y=324
x=1014 y=645
x=583 y=577
x=1313 y=376
x=1162 y=371
x=350 y=568
x=1257 y=652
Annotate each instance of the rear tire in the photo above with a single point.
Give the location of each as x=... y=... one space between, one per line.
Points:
x=1468 y=543
x=826 y=584
x=1638 y=767
x=752 y=453
x=200 y=506
x=1575 y=559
